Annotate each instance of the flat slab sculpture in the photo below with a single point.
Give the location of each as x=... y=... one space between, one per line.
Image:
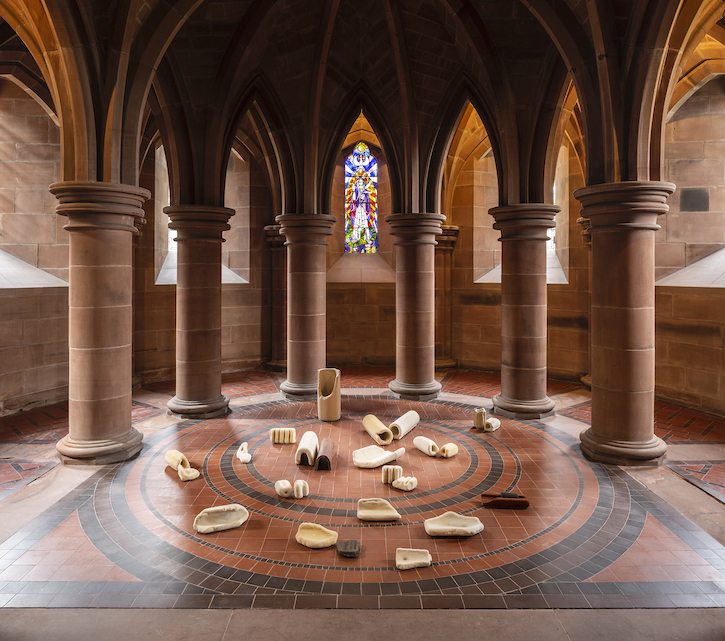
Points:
x=376 y=510
x=307 y=449
x=404 y=424
x=178 y=461
x=243 y=453
x=374 y=456
x=391 y=472
x=380 y=433
x=312 y=535
x=222 y=517
x=329 y=406
x=448 y=450
x=426 y=445
x=325 y=454
x=405 y=483
x=452 y=524
x=409 y=558
x=507 y=500
x=283 y=435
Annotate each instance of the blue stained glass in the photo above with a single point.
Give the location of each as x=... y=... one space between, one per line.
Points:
x=361 y=201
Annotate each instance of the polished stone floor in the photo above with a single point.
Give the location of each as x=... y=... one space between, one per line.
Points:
x=595 y=536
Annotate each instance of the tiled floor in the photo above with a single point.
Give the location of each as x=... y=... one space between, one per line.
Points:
x=592 y=538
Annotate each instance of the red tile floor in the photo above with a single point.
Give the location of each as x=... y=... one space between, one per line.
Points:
x=592 y=537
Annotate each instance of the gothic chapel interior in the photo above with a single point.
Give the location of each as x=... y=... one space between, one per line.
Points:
x=548 y=202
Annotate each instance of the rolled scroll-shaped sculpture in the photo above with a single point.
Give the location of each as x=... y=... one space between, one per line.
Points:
x=180 y=463
x=448 y=450
x=307 y=449
x=404 y=424
x=426 y=445
x=328 y=394
x=374 y=426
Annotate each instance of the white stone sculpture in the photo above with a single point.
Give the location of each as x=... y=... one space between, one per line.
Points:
x=283 y=435
x=491 y=425
x=479 y=418
x=448 y=450
x=405 y=483
x=301 y=488
x=404 y=424
x=313 y=535
x=283 y=488
x=329 y=407
x=426 y=445
x=243 y=453
x=409 y=558
x=452 y=524
x=376 y=510
x=392 y=472
x=307 y=449
x=222 y=517
x=177 y=461
x=374 y=456
x=374 y=426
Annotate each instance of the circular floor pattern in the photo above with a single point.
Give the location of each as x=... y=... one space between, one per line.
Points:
x=580 y=519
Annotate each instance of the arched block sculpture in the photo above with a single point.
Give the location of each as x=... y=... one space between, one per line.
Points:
x=307 y=449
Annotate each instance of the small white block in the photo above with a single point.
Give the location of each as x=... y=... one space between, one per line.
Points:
x=283 y=435
x=283 y=488
x=405 y=483
x=425 y=445
x=409 y=558
x=492 y=424
x=479 y=418
x=301 y=488
x=448 y=450
x=392 y=472
x=242 y=453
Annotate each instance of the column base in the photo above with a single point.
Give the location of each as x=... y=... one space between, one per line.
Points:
x=414 y=392
x=643 y=453
x=445 y=364
x=211 y=408
x=299 y=391
x=101 y=452
x=511 y=408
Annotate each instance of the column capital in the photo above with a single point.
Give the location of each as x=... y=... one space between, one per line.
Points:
x=415 y=229
x=274 y=238
x=100 y=205
x=199 y=222
x=525 y=221
x=448 y=238
x=305 y=228
x=632 y=204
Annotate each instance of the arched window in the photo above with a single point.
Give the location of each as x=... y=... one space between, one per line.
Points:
x=361 y=201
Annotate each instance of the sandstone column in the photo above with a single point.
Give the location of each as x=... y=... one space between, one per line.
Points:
x=415 y=241
x=623 y=219
x=199 y=309
x=444 y=293
x=101 y=220
x=524 y=231
x=306 y=299
x=278 y=299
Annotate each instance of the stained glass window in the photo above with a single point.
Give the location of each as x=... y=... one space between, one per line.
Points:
x=361 y=201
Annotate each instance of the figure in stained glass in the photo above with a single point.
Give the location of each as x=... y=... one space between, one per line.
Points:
x=361 y=201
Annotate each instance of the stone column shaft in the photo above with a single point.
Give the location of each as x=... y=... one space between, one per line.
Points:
x=623 y=219
x=306 y=299
x=101 y=226
x=278 y=299
x=524 y=231
x=199 y=309
x=415 y=241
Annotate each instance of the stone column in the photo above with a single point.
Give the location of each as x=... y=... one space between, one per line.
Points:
x=623 y=219
x=306 y=299
x=524 y=231
x=199 y=309
x=278 y=299
x=444 y=293
x=415 y=241
x=101 y=219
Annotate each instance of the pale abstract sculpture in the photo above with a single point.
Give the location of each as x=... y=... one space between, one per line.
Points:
x=179 y=462
x=491 y=425
x=376 y=510
x=392 y=472
x=301 y=488
x=328 y=394
x=325 y=454
x=374 y=456
x=448 y=450
x=452 y=524
x=404 y=424
x=409 y=558
x=283 y=435
x=373 y=426
x=405 y=483
x=479 y=418
x=307 y=449
x=243 y=453
x=426 y=445
x=313 y=535
x=222 y=517
x=283 y=488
